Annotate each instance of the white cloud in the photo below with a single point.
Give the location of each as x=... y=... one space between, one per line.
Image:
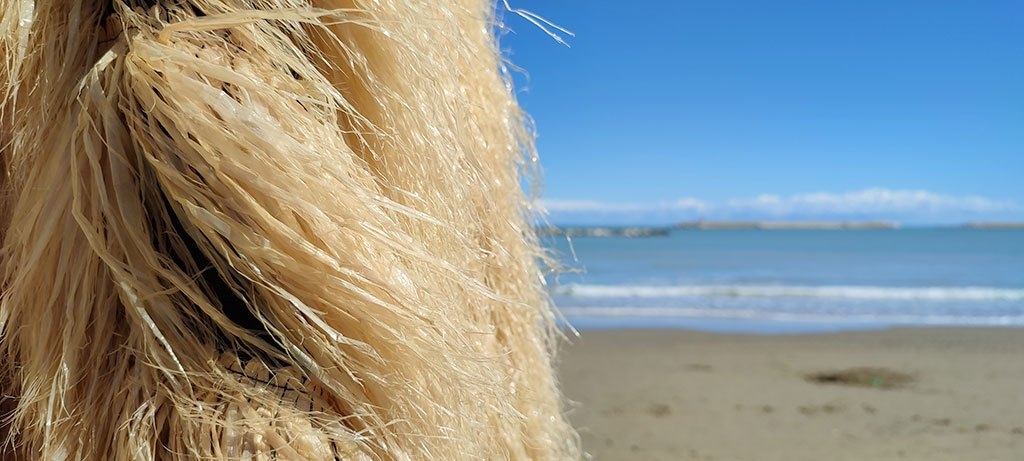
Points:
x=573 y=206
x=874 y=202
x=871 y=201
x=689 y=203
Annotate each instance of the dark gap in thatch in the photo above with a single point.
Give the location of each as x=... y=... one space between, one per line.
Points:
x=214 y=285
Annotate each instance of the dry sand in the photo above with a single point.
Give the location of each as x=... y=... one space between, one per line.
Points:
x=927 y=394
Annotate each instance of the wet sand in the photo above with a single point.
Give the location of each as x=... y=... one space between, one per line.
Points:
x=906 y=394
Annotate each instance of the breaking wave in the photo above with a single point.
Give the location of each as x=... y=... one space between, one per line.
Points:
x=786 y=291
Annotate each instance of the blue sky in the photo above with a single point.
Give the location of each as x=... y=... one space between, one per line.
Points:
x=910 y=111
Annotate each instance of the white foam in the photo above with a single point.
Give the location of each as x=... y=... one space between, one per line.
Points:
x=787 y=291
x=743 y=314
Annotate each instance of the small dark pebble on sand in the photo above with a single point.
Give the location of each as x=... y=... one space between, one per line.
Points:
x=878 y=378
x=660 y=410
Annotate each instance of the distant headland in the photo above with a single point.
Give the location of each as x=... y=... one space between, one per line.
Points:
x=994 y=225
x=632 y=231
x=787 y=225
x=664 y=231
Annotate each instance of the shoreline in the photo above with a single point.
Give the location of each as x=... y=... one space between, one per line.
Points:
x=695 y=395
x=757 y=327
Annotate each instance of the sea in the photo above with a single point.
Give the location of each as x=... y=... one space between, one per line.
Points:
x=791 y=281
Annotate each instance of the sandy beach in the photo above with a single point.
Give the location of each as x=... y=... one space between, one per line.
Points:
x=903 y=394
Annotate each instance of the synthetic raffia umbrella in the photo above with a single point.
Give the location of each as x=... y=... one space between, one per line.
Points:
x=268 y=228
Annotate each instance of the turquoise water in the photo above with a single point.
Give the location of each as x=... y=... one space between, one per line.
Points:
x=793 y=280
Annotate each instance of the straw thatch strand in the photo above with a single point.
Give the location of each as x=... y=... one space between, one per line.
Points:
x=268 y=229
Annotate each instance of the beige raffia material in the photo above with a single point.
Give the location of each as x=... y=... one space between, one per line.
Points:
x=349 y=170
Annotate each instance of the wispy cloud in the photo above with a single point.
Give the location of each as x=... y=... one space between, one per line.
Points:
x=875 y=200
x=877 y=203
x=688 y=204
